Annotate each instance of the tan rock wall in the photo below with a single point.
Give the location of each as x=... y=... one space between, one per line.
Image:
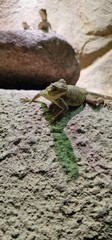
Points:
x=86 y=24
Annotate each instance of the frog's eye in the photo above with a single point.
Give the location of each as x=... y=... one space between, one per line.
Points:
x=54 y=88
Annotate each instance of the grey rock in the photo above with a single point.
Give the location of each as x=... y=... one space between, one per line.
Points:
x=33 y=59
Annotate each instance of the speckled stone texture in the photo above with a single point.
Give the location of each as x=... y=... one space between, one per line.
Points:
x=86 y=25
x=33 y=59
x=37 y=202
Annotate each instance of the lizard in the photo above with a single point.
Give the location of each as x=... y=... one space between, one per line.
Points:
x=25 y=26
x=44 y=25
x=63 y=95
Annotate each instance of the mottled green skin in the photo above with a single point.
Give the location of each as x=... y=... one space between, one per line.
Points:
x=71 y=95
x=63 y=95
x=75 y=96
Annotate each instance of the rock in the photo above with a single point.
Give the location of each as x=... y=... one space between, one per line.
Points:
x=33 y=59
x=98 y=76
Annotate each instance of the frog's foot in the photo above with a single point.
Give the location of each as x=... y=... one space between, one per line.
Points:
x=104 y=103
x=108 y=104
x=99 y=101
x=24 y=100
x=52 y=121
x=44 y=105
x=94 y=100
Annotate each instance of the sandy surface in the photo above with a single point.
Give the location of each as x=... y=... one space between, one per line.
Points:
x=37 y=202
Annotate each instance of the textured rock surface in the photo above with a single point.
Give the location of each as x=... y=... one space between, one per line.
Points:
x=87 y=25
x=98 y=76
x=36 y=200
x=32 y=59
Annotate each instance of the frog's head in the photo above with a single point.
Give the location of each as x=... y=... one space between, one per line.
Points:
x=57 y=89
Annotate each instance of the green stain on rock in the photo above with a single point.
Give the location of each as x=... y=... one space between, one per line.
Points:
x=62 y=144
x=65 y=154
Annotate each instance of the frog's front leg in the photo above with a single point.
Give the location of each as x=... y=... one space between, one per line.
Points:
x=35 y=97
x=62 y=105
x=24 y=100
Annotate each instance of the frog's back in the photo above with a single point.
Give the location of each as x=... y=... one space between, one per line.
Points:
x=75 y=96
